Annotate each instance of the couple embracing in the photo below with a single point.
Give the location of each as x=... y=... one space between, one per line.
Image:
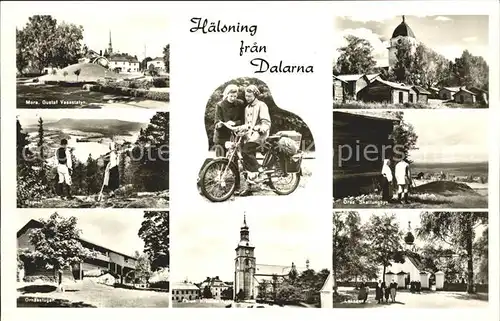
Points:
x=252 y=116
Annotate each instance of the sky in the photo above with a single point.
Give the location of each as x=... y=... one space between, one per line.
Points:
x=412 y=216
x=447 y=35
x=205 y=242
x=130 y=30
x=446 y=136
x=29 y=117
x=114 y=229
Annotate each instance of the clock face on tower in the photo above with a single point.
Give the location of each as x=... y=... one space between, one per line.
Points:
x=247 y=251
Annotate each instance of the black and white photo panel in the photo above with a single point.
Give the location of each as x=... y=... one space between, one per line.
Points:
x=255 y=261
x=86 y=259
x=410 y=159
x=76 y=159
x=410 y=259
x=70 y=59
x=400 y=62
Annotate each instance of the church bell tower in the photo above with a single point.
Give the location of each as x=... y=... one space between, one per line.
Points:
x=110 y=45
x=402 y=33
x=244 y=271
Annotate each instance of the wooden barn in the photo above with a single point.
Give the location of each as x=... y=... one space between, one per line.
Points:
x=482 y=95
x=355 y=83
x=464 y=96
x=360 y=144
x=419 y=95
x=339 y=89
x=447 y=93
x=385 y=91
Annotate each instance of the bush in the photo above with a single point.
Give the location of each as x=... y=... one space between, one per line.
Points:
x=160 y=285
x=134 y=92
x=44 y=278
x=161 y=82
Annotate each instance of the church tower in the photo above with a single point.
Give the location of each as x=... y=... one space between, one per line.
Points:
x=401 y=33
x=244 y=265
x=110 y=45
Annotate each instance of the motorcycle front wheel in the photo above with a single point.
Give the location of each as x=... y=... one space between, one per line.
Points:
x=218 y=180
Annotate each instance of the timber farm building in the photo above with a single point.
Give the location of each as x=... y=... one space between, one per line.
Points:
x=361 y=140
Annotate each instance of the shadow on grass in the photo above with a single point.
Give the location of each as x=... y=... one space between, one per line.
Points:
x=37 y=289
x=40 y=302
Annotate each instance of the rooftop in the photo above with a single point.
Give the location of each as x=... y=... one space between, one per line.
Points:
x=403 y=30
x=184 y=286
x=37 y=224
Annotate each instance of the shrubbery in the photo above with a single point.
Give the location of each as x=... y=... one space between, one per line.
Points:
x=133 y=89
x=44 y=278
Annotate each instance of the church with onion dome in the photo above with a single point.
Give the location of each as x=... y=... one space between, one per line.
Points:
x=402 y=33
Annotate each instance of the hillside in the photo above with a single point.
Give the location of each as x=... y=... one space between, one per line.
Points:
x=88 y=73
x=102 y=126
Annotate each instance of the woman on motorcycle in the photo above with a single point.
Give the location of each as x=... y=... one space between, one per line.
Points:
x=230 y=110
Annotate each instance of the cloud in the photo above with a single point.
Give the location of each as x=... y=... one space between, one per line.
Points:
x=366 y=16
x=442 y=18
x=380 y=52
x=469 y=39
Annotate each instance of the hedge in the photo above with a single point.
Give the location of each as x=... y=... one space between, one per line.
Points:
x=45 y=278
x=133 y=92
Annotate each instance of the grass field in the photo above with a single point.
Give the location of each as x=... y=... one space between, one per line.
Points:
x=91 y=294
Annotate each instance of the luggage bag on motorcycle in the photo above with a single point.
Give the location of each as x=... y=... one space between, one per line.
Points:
x=289 y=147
x=289 y=143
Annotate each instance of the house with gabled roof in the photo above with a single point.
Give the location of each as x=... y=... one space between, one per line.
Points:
x=356 y=82
x=384 y=91
x=104 y=258
x=447 y=93
x=464 y=95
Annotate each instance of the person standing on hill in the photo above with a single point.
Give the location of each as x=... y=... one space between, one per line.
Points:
x=403 y=178
x=386 y=181
x=111 y=174
x=64 y=170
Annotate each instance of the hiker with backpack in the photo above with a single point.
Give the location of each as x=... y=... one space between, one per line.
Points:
x=64 y=170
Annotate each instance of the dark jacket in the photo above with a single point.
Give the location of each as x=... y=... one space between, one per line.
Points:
x=225 y=111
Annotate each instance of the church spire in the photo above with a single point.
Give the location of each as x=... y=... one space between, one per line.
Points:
x=403 y=19
x=244 y=231
x=110 y=45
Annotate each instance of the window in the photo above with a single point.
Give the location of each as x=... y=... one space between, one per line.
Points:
x=400 y=97
x=462 y=99
x=411 y=98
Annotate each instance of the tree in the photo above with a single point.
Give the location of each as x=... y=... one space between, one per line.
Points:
x=21 y=54
x=403 y=137
x=41 y=153
x=154 y=232
x=262 y=289
x=144 y=63
x=227 y=294
x=289 y=293
x=404 y=66
x=166 y=57
x=142 y=268
x=356 y=57
x=77 y=73
x=21 y=146
x=469 y=70
x=457 y=230
x=481 y=253
x=39 y=36
x=67 y=47
x=152 y=154
x=384 y=239
x=350 y=253
x=207 y=294
x=92 y=176
x=56 y=244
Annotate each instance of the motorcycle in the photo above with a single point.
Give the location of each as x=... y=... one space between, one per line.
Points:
x=220 y=177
